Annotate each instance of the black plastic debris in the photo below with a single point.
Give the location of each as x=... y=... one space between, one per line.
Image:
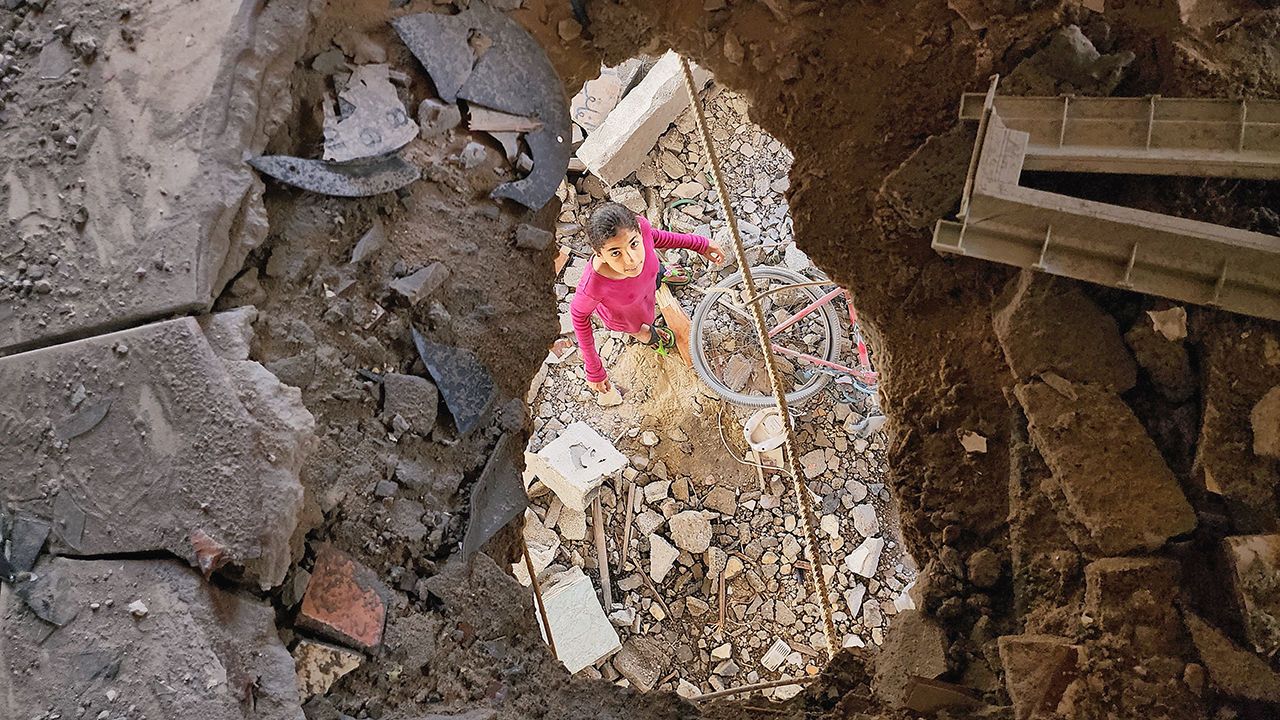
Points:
x=361 y=178
x=512 y=75
x=462 y=379
x=68 y=521
x=498 y=496
x=84 y=419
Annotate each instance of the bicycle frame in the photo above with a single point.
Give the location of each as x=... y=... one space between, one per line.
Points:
x=863 y=372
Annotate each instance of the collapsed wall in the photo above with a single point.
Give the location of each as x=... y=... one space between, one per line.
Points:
x=1087 y=562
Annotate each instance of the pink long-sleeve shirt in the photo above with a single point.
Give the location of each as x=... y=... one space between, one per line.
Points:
x=623 y=305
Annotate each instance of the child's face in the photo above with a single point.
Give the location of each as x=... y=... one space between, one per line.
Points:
x=624 y=253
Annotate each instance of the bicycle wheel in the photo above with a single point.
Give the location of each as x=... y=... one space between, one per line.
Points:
x=726 y=353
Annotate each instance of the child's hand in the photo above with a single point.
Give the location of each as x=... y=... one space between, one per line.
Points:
x=714 y=253
x=601 y=387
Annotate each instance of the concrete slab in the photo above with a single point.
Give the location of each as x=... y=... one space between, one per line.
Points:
x=576 y=464
x=192 y=653
x=155 y=210
x=583 y=635
x=1115 y=481
x=145 y=440
x=619 y=144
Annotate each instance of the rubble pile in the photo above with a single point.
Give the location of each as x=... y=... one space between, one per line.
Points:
x=697 y=515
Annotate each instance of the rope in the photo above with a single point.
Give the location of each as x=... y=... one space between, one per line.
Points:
x=803 y=501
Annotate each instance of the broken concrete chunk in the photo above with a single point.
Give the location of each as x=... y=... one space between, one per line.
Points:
x=230 y=332
x=619 y=144
x=370 y=243
x=529 y=237
x=721 y=499
x=82 y=659
x=376 y=122
x=930 y=696
x=1046 y=323
x=319 y=665
x=596 y=99
x=542 y=543
x=344 y=601
x=643 y=661
x=1265 y=421
x=1037 y=670
x=1171 y=323
x=866 y=557
x=915 y=646
x=421 y=284
x=435 y=118
x=865 y=520
x=583 y=634
x=691 y=531
x=662 y=556
x=1255 y=575
x=462 y=379
x=1119 y=488
x=576 y=464
x=1166 y=363
x=1235 y=671
x=413 y=398
x=1114 y=586
x=199 y=443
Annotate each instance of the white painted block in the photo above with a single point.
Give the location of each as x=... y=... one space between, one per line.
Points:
x=576 y=464
x=583 y=635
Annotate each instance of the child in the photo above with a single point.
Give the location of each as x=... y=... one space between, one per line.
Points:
x=621 y=282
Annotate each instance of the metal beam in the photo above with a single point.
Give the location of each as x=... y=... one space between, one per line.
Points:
x=1143 y=136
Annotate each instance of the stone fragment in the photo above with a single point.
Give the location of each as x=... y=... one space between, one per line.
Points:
x=1115 y=587
x=853 y=598
x=573 y=524
x=583 y=634
x=196 y=442
x=656 y=491
x=648 y=521
x=1265 y=421
x=973 y=443
x=190 y=228
x=1037 y=670
x=865 y=520
x=866 y=557
x=106 y=650
x=722 y=652
x=344 y=601
x=813 y=463
x=830 y=524
x=915 y=646
x=630 y=198
x=643 y=661
x=422 y=283
x=1046 y=323
x=26 y=540
x=436 y=117
x=1235 y=671
x=413 y=398
x=596 y=99
x=1171 y=323
x=230 y=332
x=691 y=531
x=575 y=464
x=542 y=543
x=931 y=696
x=319 y=665
x=529 y=237
x=984 y=568
x=688 y=190
x=1166 y=362
x=722 y=500
x=662 y=555
x=1255 y=576
x=1115 y=481
x=620 y=143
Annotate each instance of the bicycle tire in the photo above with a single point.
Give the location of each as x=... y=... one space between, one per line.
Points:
x=703 y=368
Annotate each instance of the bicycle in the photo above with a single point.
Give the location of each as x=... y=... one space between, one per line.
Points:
x=726 y=353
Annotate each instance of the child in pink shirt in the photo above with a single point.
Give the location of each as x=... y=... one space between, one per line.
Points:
x=621 y=282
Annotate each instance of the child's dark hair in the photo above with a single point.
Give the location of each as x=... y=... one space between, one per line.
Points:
x=608 y=220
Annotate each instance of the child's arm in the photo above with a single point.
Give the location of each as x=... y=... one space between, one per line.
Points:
x=663 y=239
x=580 y=310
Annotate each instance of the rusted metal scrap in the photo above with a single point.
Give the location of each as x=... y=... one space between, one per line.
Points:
x=498 y=496
x=484 y=57
x=462 y=379
x=346 y=179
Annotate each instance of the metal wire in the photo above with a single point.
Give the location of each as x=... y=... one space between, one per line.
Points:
x=807 y=518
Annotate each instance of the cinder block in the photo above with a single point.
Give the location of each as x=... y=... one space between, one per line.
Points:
x=575 y=464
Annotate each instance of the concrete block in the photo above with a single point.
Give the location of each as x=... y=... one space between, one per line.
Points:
x=196 y=638
x=576 y=464
x=583 y=635
x=1115 y=481
x=1133 y=598
x=160 y=445
x=1037 y=671
x=344 y=601
x=620 y=143
x=643 y=661
x=1255 y=575
x=155 y=211
x=915 y=647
